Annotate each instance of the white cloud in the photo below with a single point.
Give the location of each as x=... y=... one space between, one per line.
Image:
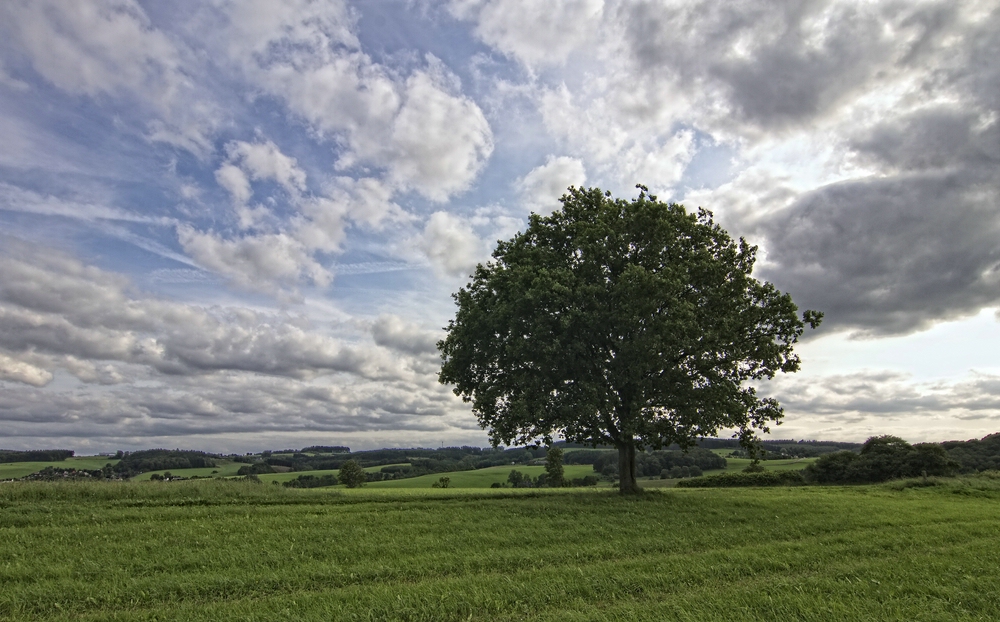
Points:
x=12 y=369
x=542 y=187
x=858 y=405
x=52 y=305
x=255 y=262
x=450 y=244
x=257 y=28
x=235 y=182
x=440 y=141
x=203 y=371
x=536 y=33
x=265 y=161
x=111 y=48
x=96 y=47
x=418 y=129
x=618 y=147
x=396 y=333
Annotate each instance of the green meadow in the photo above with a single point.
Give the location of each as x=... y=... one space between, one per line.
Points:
x=234 y=550
x=480 y=478
x=12 y=470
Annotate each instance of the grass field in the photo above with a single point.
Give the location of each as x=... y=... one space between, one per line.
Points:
x=480 y=478
x=738 y=464
x=10 y=470
x=223 y=468
x=222 y=550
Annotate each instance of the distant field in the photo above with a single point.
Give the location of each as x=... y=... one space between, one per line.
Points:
x=224 y=468
x=284 y=477
x=10 y=470
x=738 y=464
x=230 y=550
x=480 y=478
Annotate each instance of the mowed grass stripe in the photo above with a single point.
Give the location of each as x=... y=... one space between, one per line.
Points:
x=524 y=557
x=633 y=581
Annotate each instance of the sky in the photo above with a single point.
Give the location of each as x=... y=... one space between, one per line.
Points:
x=235 y=226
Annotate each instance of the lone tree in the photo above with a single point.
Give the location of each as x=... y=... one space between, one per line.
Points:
x=352 y=475
x=554 y=467
x=629 y=323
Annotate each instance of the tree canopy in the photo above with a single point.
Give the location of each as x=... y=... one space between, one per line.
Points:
x=631 y=323
x=352 y=475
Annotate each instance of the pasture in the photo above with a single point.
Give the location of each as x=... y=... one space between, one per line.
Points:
x=478 y=478
x=232 y=550
x=13 y=470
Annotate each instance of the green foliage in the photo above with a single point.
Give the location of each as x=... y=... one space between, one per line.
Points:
x=881 y=458
x=311 y=481
x=651 y=464
x=352 y=475
x=626 y=323
x=742 y=479
x=35 y=455
x=976 y=454
x=327 y=449
x=55 y=473
x=478 y=478
x=443 y=482
x=158 y=459
x=255 y=468
x=420 y=461
x=554 y=467
x=516 y=478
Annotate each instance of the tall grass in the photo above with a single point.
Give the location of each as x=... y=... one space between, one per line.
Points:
x=223 y=550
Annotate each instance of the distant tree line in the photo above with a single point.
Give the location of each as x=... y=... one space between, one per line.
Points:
x=880 y=459
x=53 y=473
x=781 y=449
x=517 y=479
x=326 y=449
x=312 y=481
x=975 y=455
x=675 y=463
x=419 y=461
x=133 y=463
x=35 y=455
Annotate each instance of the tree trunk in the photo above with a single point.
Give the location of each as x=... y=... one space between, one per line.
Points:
x=626 y=469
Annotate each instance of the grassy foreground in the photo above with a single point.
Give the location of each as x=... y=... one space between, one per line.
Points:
x=225 y=550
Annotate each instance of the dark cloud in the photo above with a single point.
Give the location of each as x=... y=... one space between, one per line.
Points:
x=774 y=64
x=896 y=252
x=917 y=239
x=889 y=255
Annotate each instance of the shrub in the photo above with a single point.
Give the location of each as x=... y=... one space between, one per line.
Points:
x=744 y=479
x=255 y=469
x=312 y=481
